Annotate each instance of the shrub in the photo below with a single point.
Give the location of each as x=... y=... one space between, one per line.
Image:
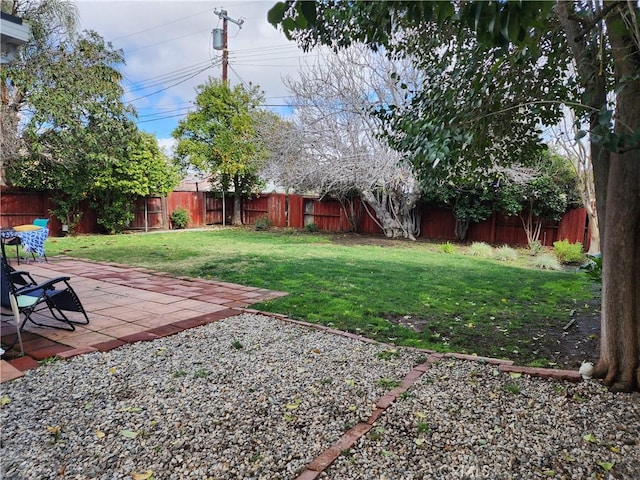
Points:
x=481 y=249
x=179 y=218
x=546 y=261
x=506 y=254
x=536 y=248
x=449 y=248
x=115 y=216
x=593 y=267
x=568 y=252
x=263 y=224
x=311 y=228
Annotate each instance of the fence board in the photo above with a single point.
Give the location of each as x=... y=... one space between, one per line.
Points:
x=437 y=223
x=295 y=213
x=254 y=208
x=574 y=227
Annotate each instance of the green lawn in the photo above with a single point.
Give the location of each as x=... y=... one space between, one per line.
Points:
x=403 y=292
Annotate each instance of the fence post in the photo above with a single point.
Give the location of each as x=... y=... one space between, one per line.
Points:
x=165 y=215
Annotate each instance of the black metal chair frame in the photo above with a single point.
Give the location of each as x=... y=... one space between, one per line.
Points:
x=55 y=295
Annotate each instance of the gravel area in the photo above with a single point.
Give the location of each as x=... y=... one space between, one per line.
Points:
x=464 y=420
x=247 y=397
x=252 y=397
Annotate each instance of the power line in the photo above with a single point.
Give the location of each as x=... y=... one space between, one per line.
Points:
x=167 y=77
x=161 y=25
x=166 y=41
x=173 y=84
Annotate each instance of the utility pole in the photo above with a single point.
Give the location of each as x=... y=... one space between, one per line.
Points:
x=223 y=44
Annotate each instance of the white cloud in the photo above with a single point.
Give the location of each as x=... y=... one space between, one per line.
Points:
x=166 y=42
x=167 y=145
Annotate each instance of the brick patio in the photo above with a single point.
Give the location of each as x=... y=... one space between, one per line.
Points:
x=124 y=305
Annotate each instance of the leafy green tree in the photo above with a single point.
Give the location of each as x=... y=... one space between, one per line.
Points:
x=219 y=138
x=77 y=126
x=144 y=171
x=545 y=194
x=471 y=202
x=52 y=23
x=596 y=46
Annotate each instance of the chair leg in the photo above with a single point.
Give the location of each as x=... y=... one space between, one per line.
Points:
x=44 y=255
x=64 y=321
x=17 y=255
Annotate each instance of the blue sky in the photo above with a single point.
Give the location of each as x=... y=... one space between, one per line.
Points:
x=168 y=52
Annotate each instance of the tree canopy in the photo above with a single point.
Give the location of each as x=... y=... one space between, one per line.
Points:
x=77 y=135
x=219 y=137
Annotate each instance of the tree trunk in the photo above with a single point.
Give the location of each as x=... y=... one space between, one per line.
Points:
x=620 y=323
x=619 y=362
x=393 y=216
x=461 y=230
x=236 y=219
x=594 y=231
x=617 y=185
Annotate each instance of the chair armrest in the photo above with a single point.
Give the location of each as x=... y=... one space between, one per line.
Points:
x=18 y=276
x=49 y=284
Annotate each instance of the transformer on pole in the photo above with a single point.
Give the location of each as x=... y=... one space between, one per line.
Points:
x=220 y=38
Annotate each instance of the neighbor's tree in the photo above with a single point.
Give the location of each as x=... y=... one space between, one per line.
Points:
x=343 y=151
x=602 y=41
x=77 y=125
x=566 y=139
x=539 y=193
x=144 y=171
x=219 y=138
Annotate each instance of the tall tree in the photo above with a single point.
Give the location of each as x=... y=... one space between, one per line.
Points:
x=566 y=139
x=77 y=125
x=52 y=24
x=602 y=40
x=342 y=151
x=219 y=138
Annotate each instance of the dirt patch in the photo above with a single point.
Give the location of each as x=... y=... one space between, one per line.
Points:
x=551 y=344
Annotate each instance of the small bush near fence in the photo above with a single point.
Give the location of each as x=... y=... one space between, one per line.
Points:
x=568 y=252
x=546 y=261
x=506 y=254
x=179 y=218
x=311 y=228
x=449 y=248
x=262 y=224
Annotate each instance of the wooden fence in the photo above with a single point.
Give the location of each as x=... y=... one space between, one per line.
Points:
x=294 y=211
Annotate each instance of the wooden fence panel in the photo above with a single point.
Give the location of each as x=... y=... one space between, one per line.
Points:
x=277 y=205
x=574 y=226
x=192 y=202
x=295 y=212
x=437 y=223
x=22 y=207
x=327 y=215
x=214 y=212
x=254 y=208
x=368 y=225
x=149 y=214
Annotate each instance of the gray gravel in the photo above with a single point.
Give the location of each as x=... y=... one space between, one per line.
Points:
x=252 y=397
x=464 y=420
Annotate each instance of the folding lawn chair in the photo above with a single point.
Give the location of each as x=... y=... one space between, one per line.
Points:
x=20 y=294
